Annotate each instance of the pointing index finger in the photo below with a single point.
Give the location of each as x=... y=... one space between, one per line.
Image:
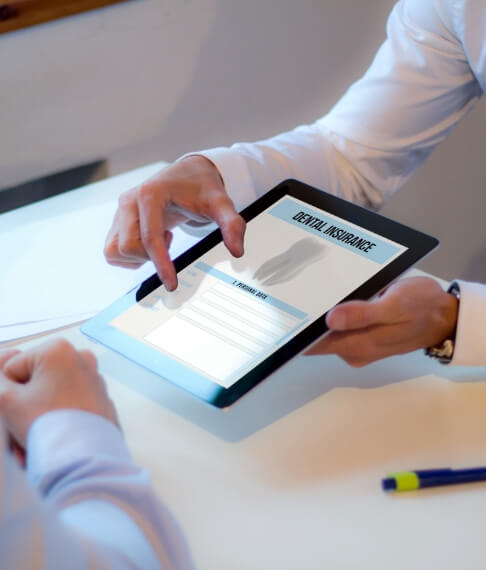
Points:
x=232 y=225
x=153 y=234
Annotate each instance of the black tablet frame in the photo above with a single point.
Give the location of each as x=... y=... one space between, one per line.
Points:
x=418 y=245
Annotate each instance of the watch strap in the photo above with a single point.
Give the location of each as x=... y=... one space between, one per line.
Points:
x=445 y=350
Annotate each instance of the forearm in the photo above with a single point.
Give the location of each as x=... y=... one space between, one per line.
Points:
x=309 y=153
x=96 y=509
x=31 y=535
x=418 y=87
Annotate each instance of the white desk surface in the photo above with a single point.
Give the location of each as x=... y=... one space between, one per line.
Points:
x=289 y=477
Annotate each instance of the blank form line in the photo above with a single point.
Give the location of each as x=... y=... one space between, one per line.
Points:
x=220 y=330
x=239 y=312
x=236 y=325
x=237 y=320
x=269 y=312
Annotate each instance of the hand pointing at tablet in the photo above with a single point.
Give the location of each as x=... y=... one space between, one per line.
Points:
x=190 y=188
x=411 y=314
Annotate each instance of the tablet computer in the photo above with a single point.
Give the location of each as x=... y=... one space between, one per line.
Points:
x=232 y=322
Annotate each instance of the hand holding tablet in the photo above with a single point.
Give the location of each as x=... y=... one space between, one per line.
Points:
x=232 y=322
x=412 y=313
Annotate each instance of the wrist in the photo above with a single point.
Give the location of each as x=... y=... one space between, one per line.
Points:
x=444 y=349
x=203 y=164
x=69 y=436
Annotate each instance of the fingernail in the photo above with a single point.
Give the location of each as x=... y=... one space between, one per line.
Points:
x=336 y=320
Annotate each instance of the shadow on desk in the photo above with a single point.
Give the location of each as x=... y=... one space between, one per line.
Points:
x=296 y=384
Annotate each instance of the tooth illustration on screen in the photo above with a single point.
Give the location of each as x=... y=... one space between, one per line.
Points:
x=291 y=262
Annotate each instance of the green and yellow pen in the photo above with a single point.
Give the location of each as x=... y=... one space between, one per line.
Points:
x=413 y=480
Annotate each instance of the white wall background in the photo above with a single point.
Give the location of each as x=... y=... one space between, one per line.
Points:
x=151 y=79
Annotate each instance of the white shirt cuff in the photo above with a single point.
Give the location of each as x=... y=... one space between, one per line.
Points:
x=470 y=345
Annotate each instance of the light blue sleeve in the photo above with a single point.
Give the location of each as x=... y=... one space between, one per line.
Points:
x=83 y=503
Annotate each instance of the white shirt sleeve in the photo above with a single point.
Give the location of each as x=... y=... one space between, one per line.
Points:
x=82 y=502
x=419 y=86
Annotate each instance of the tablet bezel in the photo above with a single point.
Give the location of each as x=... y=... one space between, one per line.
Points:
x=418 y=245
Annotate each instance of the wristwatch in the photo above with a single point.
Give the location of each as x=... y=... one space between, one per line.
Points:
x=445 y=350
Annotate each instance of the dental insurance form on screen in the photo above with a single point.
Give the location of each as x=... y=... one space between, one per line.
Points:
x=229 y=314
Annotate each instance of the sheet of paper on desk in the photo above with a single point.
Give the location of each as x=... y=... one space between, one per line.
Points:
x=53 y=269
x=16 y=332
x=57 y=268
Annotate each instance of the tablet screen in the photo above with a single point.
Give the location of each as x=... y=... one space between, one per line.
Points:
x=232 y=322
x=228 y=315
